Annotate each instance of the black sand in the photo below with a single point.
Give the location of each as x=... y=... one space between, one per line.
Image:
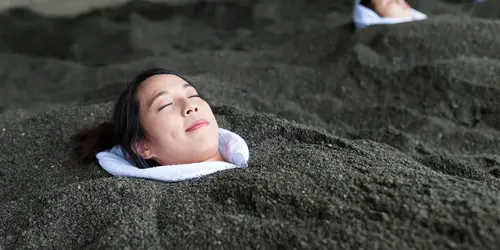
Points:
x=387 y=138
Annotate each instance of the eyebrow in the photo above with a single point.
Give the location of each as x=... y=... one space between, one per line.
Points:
x=165 y=92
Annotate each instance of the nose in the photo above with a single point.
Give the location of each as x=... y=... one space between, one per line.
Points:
x=190 y=108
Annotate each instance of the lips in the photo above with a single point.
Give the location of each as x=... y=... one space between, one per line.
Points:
x=196 y=125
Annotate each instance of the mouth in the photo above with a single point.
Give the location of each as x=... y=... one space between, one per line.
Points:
x=196 y=125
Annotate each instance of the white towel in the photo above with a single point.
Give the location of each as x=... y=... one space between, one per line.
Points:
x=364 y=17
x=231 y=146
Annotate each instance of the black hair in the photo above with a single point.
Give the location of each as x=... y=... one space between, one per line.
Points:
x=125 y=129
x=367 y=3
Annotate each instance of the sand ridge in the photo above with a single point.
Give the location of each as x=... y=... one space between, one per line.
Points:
x=385 y=138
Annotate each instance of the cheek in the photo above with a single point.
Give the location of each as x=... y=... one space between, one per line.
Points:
x=168 y=124
x=213 y=135
x=213 y=121
x=207 y=111
x=163 y=127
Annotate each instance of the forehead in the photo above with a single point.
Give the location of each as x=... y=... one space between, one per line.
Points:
x=161 y=82
x=381 y=2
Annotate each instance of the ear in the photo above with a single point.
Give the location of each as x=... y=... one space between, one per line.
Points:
x=142 y=150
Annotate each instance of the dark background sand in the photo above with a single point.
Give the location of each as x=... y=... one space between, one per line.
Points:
x=386 y=138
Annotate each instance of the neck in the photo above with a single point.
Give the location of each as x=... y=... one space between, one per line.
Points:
x=217 y=157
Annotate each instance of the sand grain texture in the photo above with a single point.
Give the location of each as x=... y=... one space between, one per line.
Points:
x=385 y=138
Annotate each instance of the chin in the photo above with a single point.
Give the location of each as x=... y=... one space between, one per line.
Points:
x=208 y=136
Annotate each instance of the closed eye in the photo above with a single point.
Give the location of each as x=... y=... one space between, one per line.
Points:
x=164 y=106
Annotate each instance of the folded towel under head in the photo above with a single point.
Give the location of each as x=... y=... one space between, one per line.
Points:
x=231 y=146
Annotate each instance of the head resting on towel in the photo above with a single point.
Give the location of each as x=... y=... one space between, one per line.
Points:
x=389 y=8
x=159 y=119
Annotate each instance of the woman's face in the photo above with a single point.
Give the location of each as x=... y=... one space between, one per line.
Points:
x=392 y=8
x=179 y=126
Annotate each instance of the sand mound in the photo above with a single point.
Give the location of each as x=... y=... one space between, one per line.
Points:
x=305 y=188
x=384 y=138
